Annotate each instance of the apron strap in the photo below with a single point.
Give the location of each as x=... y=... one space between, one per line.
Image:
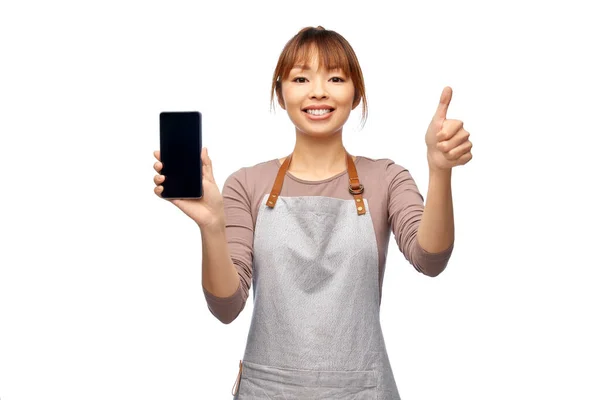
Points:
x=236 y=385
x=276 y=191
x=355 y=188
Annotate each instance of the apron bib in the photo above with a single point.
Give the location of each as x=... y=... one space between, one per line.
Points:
x=315 y=331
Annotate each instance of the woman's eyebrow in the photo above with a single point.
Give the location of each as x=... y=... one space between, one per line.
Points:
x=308 y=68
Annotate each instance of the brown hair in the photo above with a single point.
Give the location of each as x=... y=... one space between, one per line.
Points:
x=334 y=52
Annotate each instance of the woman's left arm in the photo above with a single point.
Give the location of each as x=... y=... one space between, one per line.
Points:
x=436 y=229
x=448 y=146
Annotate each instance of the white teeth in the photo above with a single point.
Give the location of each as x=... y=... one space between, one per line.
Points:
x=318 y=112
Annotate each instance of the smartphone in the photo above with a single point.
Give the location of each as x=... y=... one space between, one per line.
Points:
x=180 y=148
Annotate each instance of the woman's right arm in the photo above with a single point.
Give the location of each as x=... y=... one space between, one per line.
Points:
x=220 y=279
x=227 y=231
x=219 y=276
x=227 y=251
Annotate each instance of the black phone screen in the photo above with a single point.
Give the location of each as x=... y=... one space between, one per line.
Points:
x=180 y=147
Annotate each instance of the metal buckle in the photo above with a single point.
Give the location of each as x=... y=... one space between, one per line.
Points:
x=360 y=189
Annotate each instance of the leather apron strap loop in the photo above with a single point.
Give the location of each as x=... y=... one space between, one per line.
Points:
x=355 y=188
x=236 y=385
x=278 y=184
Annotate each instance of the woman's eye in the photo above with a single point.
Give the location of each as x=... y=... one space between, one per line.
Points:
x=301 y=79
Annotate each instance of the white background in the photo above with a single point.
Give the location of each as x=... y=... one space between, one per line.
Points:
x=100 y=280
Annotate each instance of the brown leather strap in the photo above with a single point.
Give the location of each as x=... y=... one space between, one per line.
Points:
x=276 y=191
x=236 y=384
x=355 y=188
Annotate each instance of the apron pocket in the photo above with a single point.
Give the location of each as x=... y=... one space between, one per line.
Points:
x=274 y=383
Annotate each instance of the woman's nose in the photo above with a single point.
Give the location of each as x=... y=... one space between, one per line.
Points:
x=318 y=89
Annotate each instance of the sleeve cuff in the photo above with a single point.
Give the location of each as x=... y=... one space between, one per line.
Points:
x=223 y=300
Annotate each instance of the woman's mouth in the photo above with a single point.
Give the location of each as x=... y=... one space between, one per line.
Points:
x=318 y=114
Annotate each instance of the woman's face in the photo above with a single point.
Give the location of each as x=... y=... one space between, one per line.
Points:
x=318 y=102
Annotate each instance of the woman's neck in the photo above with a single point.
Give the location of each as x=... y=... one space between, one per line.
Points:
x=318 y=158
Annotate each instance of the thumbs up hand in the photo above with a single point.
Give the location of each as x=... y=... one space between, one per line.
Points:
x=448 y=144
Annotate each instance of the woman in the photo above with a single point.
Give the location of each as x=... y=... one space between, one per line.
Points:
x=310 y=232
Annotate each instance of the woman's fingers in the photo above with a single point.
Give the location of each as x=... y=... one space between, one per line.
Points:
x=157 y=165
x=207 y=165
x=158 y=179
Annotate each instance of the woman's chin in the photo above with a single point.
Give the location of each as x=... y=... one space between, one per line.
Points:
x=317 y=133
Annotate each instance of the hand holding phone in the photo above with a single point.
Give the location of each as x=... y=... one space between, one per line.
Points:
x=206 y=210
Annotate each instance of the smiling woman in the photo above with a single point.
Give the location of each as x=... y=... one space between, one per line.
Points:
x=311 y=237
x=315 y=50
x=310 y=232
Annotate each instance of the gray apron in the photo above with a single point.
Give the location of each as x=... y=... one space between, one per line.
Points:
x=315 y=331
